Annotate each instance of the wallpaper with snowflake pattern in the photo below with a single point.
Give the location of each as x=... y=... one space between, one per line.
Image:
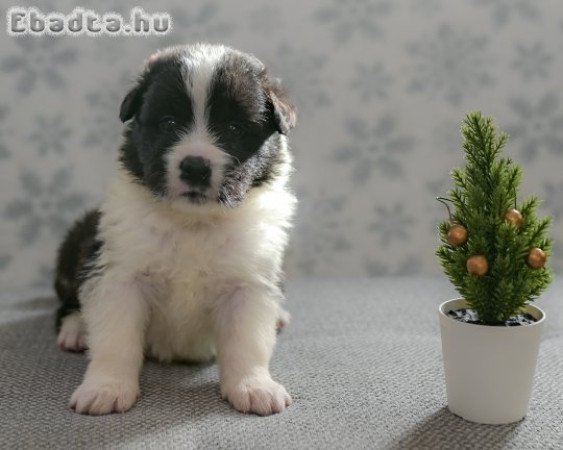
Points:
x=381 y=87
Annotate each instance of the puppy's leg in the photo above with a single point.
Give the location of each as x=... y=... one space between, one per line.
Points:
x=72 y=335
x=246 y=336
x=116 y=315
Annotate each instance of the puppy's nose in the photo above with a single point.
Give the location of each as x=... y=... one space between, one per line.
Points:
x=196 y=171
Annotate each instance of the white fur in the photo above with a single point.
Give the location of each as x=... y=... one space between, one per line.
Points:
x=202 y=62
x=116 y=316
x=188 y=287
x=187 y=282
x=72 y=335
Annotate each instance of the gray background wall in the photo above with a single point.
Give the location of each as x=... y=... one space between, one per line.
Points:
x=381 y=86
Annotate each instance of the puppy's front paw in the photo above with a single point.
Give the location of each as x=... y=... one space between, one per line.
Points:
x=72 y=336
x=260 y=395
x=104 y=397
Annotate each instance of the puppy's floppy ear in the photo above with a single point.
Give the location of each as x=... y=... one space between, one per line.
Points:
x=153 y=65
x=132 y=101
x=283 y=112
x=134 y=98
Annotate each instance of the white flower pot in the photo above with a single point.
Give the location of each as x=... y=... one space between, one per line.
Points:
x=489 y=369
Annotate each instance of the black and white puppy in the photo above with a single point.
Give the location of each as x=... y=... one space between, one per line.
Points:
x=183 y=259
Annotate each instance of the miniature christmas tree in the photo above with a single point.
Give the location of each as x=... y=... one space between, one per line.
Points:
x=493 y=249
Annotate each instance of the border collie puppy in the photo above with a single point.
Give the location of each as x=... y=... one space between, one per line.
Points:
x=183 y=259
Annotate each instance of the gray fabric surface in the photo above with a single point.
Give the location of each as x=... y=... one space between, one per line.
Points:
x=361 y=358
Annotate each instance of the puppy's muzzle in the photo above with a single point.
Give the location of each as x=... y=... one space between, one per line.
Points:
x=196 y=171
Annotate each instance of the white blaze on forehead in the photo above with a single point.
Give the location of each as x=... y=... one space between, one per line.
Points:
x=201 y=63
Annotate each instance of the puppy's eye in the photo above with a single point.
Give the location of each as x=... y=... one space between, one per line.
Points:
x=167 y=124
x=235 y=129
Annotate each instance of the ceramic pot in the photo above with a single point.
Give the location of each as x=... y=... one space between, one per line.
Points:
x=489 y=369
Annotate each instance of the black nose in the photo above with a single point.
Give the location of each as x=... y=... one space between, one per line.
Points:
x=196 y=171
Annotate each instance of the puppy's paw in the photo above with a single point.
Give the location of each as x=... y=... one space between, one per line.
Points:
x=260 y=395
x=283 y=320
x=72 y=336
x=104 y=397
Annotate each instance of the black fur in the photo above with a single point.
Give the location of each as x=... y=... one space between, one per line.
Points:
x=247 y=111
x=159 y=96
x=76 y=254
x=242 y=120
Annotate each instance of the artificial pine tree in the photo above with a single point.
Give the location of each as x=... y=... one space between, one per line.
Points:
x=493 y=249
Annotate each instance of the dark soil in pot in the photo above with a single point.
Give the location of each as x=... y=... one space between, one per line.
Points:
x=469 y=315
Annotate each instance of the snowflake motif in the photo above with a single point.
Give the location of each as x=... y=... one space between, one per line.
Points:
x=347 y=18
x=4 y=153
x=538 y=127
x=42 y=59
x=392 y=223
x=50 y=205
x=440 y=66
x=104 y=127
x=321 y=239
x=532 y=61
x=372 y=81
x=503 y=10
x=50 y=134
x=376 y=147
x=302 y=74
x=447 y=141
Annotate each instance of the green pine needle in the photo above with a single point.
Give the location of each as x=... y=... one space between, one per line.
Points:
x=484 y=190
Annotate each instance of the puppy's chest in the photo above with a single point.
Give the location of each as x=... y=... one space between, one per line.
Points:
x=181 y=278
x=193 y=256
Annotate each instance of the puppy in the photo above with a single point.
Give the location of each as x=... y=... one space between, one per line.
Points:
x=183 y=259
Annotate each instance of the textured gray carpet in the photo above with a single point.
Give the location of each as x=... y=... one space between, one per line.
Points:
x=361 y=358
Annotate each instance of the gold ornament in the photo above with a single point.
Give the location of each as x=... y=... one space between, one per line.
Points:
x=457 y=235
x=536 y=258
x=515 y=217
x=477 y=265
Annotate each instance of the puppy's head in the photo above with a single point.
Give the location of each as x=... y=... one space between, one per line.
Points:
x=206 y=124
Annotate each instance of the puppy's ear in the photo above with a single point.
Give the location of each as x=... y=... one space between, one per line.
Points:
x=132 y=101
x=283 y=112
x=153 y=65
